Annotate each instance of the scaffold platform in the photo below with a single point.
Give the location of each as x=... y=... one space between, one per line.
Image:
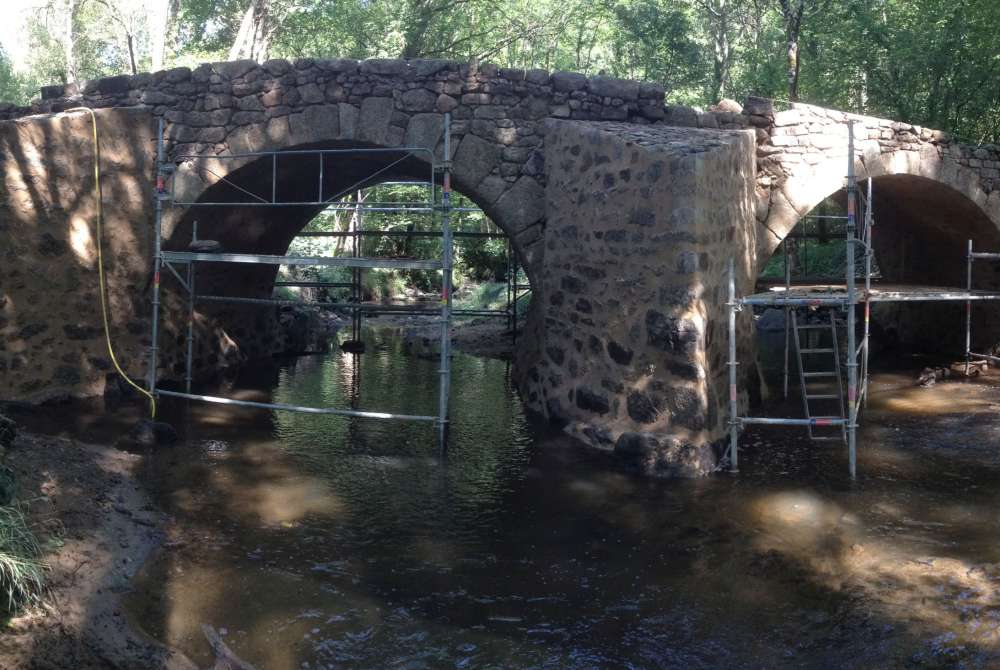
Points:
x=835 y=295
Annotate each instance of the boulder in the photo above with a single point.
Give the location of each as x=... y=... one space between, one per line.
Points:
x=728 y=105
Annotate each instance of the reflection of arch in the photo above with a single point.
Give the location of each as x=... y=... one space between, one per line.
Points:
x=921 y=185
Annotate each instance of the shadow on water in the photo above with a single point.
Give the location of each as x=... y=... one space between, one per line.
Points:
x=324 y=542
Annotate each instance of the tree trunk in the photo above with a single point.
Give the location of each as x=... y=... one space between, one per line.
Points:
x=722 y=50
x=256 y=30
x=159 y=19
x=69 y=59
x=793 y=68
x=791 y=14
x=242 y=35
x=130 y=39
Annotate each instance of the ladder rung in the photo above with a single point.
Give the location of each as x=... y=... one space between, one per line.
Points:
x=819 y=374
x=815 y=326
x=824 y=438
x=816 y=351
x=822 y=396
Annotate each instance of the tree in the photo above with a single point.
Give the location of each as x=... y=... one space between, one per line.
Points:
x=257 y=28
x=159 y=16
x=793 y=12
x=130 y=18
x=720 y=17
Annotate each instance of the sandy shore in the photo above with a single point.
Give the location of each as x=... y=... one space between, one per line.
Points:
x=97 y=527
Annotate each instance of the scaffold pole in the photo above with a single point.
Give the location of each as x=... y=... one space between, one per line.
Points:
x=852 y=355
x=445 y=382
x=160 y=193
x=734 y=421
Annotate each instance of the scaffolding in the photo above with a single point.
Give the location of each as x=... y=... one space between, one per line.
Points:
x=516 y=287
x=839 y=299
x=182 y=265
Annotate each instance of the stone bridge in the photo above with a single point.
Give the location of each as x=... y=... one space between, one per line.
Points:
x=623 y=209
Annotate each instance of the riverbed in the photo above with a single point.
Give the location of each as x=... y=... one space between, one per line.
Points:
x=326 y=542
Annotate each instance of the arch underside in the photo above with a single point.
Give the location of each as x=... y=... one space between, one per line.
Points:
x=922 y=227
x=930 y=191
x=246 y=227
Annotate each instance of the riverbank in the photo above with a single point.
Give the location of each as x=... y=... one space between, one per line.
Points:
x=97 y=527
x=482 y=337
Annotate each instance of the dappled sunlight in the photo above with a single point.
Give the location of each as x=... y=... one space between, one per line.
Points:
x=211 y=594
x=899 y=393
x=274 y=492
x=805 y=526
x=81 y=241
x=891 y=566
x=929 y=592
x=256 y=484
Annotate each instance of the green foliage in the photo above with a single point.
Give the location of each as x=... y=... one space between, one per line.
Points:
x=931 y=62
x=22 y=575
x=816 y=248
x=476 y=259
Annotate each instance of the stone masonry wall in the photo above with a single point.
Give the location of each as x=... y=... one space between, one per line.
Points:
x=52 y=343
x=641 y=224
x=51 y=337
x=213 y=109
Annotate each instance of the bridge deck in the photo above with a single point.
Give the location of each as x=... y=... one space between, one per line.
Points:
x=836 y=294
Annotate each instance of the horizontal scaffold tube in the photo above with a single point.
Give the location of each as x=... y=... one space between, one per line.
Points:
x=318 y=261
x=296 y=408
x=794 y=302
x=985 y=356
x=364 y=307
x=769 y=421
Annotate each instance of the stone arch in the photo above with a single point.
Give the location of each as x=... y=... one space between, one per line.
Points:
x=512 y=206
x=926 y=208
x=804 y=191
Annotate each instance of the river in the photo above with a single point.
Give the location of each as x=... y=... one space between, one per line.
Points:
x=325 y=542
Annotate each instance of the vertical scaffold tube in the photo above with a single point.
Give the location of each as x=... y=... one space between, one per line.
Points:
x=190 y=316
x=445 y=372
x=511 y=290
x=852 y=354
x=161 y=189
x=734 y=463
x=968 y=311
x=869 y=253
x=357 y=223
x=516 y=272
x=788 y=315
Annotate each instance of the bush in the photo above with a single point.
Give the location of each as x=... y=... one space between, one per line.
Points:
x=381 y=285
x=22 y=574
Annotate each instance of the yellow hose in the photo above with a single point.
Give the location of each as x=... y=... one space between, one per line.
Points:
x=100 y=260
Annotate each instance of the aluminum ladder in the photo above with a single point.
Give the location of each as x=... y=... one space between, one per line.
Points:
x=808 y=378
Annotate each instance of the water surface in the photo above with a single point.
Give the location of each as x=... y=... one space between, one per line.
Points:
x=325 y=542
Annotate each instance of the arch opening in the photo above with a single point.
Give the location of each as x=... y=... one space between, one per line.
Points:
x=920 y=235
x=244 y=332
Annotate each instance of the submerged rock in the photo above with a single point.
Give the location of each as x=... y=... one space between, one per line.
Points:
x=663 y=456
x=149 y=433
x=8 y=431
x=205 y=246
